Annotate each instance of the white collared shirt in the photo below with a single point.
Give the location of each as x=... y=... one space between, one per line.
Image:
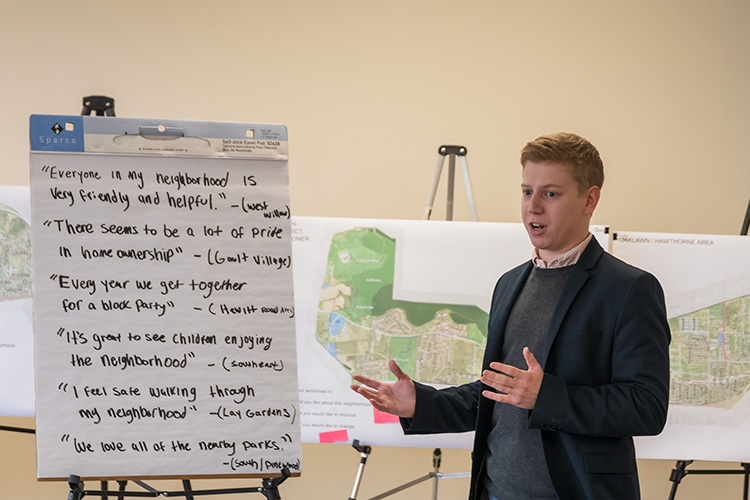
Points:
x=567 y=259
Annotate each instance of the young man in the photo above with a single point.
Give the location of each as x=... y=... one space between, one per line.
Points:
x=577 y=357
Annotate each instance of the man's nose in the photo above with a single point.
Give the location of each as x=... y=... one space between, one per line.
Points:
x=534 y=205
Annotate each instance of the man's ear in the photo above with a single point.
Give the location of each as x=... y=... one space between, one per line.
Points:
x=592 y=199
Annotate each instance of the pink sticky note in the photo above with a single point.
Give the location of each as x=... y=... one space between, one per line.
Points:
x=333 y=436
x=381 y=417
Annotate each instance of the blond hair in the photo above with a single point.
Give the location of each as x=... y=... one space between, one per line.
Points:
x=572 y=150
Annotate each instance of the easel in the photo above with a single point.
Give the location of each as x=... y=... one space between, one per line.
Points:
x=105 y=106
x=270 y=489
x=680 y=469
x=435 y=475
x=451 y=152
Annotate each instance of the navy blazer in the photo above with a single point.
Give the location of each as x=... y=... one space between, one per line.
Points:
x=606 y=379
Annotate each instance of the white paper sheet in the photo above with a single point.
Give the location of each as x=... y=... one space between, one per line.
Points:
x=163 y=314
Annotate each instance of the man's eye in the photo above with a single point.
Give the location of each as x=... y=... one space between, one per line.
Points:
x=527 y=192
x=551 y=194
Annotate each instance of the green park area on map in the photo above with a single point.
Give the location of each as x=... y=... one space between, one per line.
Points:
x=15 y=256
x=710 y=355
x=363 y=326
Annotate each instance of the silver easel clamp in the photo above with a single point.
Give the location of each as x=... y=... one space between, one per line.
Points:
x=451 y=152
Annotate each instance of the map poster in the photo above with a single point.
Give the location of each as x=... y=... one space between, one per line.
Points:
x=16 y=333
x=706 y=280
x=415 y=291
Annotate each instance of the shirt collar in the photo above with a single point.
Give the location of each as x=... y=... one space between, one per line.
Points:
x=567 y=259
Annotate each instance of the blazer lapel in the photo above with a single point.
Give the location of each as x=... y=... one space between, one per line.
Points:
x=577 y=279
x=501 y=308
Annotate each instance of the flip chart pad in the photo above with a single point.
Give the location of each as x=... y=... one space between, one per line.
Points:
x=163 y=299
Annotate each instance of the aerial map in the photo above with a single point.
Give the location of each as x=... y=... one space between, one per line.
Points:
x=710 y=354
x=16 y=338
x=362 y=325
x=15 y=255
x=706 y=282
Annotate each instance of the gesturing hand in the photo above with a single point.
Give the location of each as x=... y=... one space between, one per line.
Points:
x=521 y=387
x=397 y=398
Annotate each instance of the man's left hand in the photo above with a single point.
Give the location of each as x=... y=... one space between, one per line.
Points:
x=520 y=387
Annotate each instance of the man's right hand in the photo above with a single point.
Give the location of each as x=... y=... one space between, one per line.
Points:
x=397 y=398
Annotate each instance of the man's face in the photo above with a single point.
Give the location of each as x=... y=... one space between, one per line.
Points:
x=556 y=215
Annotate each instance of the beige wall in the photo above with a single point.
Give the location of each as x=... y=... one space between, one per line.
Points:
x=370 y=89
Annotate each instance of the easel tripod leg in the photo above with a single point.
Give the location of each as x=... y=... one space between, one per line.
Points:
x=188 y=489
x=469 y=191
x=358 y=479
x=364 y=451
x=122 y=485
x=746 y=222
x=437 y=456
x=677 y=474
x=433 y=188
x=451 y=186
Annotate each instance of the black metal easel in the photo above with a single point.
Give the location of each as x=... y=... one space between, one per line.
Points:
x=105 y=106
x=270 y=489
x=681 y=471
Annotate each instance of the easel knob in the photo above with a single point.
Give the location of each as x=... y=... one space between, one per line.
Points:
x=446 y=150
x=101 y=104
x=76 y=487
